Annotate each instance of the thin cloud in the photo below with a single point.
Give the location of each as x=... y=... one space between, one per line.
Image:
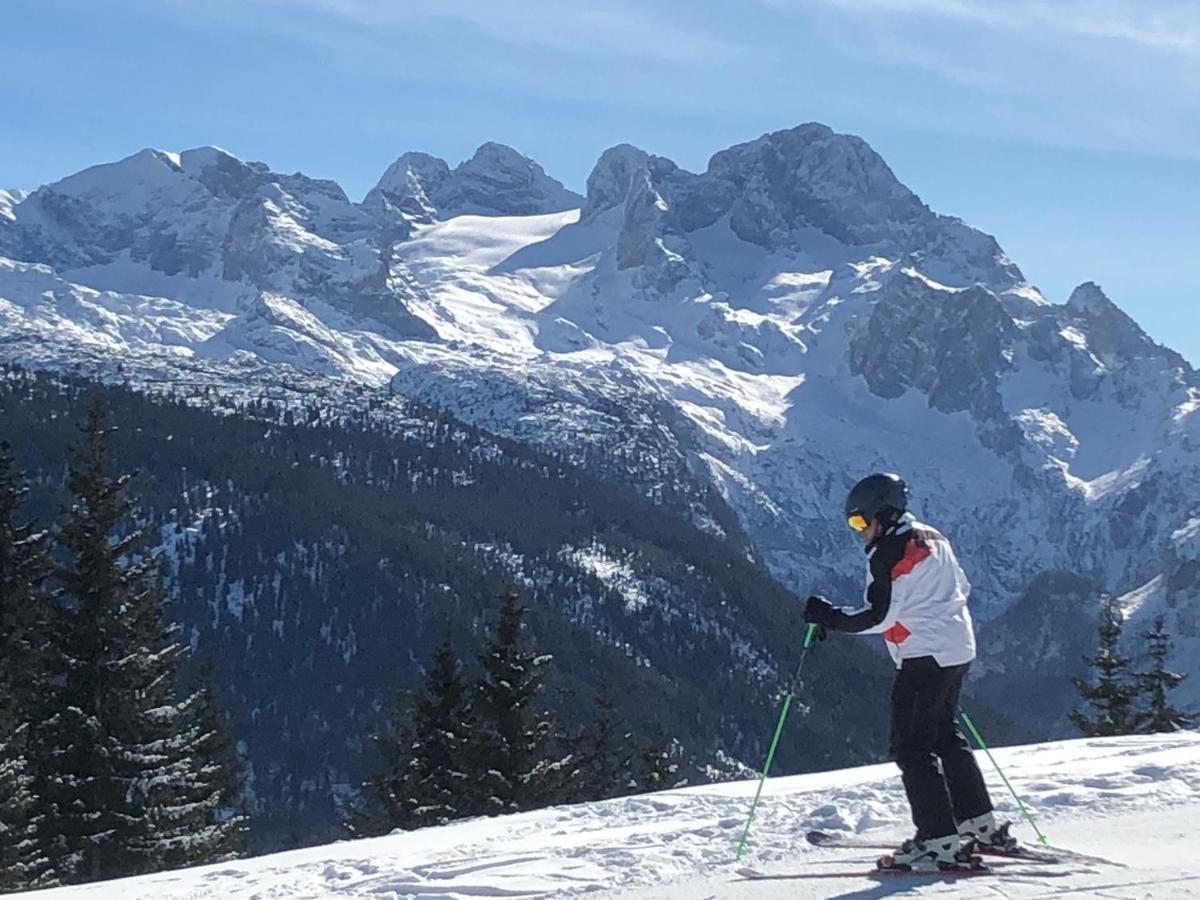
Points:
x=1172 y=26
x=1104 y=74
x=622 y=29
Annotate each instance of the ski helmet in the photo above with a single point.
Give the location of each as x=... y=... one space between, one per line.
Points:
x=882 y=495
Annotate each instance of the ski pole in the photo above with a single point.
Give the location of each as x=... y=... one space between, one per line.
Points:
x=979 y=740
x=787 y=702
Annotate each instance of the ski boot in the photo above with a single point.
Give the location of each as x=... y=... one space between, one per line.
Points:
x=941 y=854
x=982 y=835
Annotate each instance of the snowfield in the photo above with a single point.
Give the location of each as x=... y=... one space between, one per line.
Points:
x=1132 y=800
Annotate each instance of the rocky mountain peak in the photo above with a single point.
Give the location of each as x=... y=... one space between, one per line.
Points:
x=200 y=158
x=807 y=189
x=407 y=183
x=608 y=183
x=1089 y=299
x=810 y=177
x=1111 y=334
x=496 y=180
x=814 y=161
x=146 y=170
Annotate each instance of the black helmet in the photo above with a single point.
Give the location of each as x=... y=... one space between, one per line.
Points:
x=881 y=495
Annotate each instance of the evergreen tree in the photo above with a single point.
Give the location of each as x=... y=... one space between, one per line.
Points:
x=216 y=754
x=424 y=744
x=512 y=767
x=21 y=860
x=27 y=690
x=1160 y=715
x=606 y=753
x=658 y=770
x=127 y=786
x=1111 y=697
x=381 y=804
x=198 y=812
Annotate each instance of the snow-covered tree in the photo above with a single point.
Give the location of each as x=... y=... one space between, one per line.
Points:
x=658 y=770
x=1112 y=695
x=513 y=766
x=215 y=754
x=424 y=744
x=1160 y=715
x=195 y=802
x=27 y=617
x=21 y=859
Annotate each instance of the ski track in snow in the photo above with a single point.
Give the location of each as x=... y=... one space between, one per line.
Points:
x=1135 y=800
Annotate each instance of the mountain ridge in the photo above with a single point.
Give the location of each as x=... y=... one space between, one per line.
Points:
x=784 y=321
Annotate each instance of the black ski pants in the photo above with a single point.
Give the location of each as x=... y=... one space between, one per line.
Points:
x=925 y=733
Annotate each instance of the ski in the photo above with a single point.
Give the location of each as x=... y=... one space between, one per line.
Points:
x=981 y=872
x=822 y=839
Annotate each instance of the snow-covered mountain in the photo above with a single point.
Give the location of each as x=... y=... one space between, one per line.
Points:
x=1130 y=801
x=787 y=320
x=496 y=181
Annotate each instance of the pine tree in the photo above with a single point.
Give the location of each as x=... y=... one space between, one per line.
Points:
x=606 y=753
x=424 y=745
x=126 y=779
x=512 y=768
x=27 y=689
x=198 y=814
x=21 y=860
x=1112 y=696
x=216 y=754
x=658 y=770
x=82 y=792
x=380 y=806
x=1160 y=715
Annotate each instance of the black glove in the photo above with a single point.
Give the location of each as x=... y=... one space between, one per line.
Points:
x=819 y=611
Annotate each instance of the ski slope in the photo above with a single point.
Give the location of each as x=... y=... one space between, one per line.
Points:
x=1134 y=800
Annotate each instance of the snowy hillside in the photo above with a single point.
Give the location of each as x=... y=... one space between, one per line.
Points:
x=1134 y=801
x=785 y=321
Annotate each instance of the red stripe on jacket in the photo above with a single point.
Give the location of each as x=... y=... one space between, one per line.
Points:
x=913 y=554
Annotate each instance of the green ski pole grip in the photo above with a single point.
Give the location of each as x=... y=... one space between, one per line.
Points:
x=808 y=635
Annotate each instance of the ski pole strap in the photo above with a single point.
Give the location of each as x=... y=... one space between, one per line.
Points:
x=984 y=747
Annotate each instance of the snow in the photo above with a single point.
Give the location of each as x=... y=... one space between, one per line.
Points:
x=126 y=183
x=1145 y=597
x=1133 y=800
x=1187 y=539
x=615 y=574
x=9 y=199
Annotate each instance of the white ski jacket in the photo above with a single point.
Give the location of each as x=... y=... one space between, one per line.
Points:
x=916 y=597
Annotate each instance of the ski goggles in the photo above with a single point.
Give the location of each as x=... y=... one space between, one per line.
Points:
x=858 y=522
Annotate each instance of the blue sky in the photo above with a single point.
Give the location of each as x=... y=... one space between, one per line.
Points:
x=1070 y=129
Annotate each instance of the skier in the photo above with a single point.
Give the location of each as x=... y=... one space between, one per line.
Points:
x=916 y=597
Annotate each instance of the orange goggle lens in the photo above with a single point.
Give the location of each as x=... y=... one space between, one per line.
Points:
x=857 y=522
